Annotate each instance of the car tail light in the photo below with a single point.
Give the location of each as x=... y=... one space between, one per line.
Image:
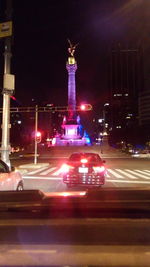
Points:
x=99 y=169
x=65 y=168
x=84 y=161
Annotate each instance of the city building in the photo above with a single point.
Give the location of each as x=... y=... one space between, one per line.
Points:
x=144 y=108
x=126 y=81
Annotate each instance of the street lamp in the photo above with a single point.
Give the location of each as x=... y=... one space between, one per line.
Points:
x=106 y=104
x=104 y=117
x=8 y=83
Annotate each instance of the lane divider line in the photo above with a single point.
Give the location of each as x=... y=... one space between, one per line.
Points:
x=128 y=181
x=41 y=178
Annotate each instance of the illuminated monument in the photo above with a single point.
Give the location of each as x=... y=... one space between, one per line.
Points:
x=72 y=130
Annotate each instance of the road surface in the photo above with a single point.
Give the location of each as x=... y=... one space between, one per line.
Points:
x=122 y=171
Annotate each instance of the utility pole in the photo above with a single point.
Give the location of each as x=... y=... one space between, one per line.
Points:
x=8 y=86
x=36 y=128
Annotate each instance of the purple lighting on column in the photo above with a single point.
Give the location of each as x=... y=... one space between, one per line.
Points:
x=71 y=89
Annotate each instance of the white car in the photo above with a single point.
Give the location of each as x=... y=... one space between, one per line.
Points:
x=9 y=180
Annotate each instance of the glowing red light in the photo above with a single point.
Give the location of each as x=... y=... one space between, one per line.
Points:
x=38 y=134
x=38 y=137
x=99 y=168
x=83 y=107
x=64 y=168
x=13 y=97
x=84 y=160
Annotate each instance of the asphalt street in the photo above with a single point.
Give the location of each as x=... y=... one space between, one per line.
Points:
x=122 y=169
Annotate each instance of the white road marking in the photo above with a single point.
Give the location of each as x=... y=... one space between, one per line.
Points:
x=120 y=174
x=115 y=174
x=147 y=174
x=107 y=175
x=41 y=178
x=129 y=181
x=36 y=171
x=126 y=174
x=48 y=171
x=47 y=251
x=147 y=171
x=138 y=174
x=57 y=172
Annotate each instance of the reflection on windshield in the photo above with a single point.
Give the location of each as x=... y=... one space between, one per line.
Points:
x=88 y=95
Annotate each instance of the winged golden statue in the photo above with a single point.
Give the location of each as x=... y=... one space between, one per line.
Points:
x=72 y=48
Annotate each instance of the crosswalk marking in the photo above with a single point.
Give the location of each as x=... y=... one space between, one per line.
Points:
x=57 y=172
x=138 y=174
x=126 y=174
x=147 y=174
x=147 y=171
x=48 y=171
x=115 y=173
x=36 y=171
x=112 y=174
x=107 y=175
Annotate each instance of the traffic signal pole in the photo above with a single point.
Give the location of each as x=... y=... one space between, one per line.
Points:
x=36 y=128
x=7 y=91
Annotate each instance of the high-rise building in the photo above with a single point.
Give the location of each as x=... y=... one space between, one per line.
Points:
x=126 y=82
x=144 y=108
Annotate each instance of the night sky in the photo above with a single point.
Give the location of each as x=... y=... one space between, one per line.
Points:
x=41 y=29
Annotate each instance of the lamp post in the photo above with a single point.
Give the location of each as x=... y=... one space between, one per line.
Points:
x=104 y=116
x=8 y=84
x=36 y=128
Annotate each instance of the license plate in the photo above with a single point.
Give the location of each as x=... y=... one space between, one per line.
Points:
x=83 y=170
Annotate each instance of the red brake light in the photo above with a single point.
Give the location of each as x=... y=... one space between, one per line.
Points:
x=65 y=168
x=99 y=168
x=84 y=160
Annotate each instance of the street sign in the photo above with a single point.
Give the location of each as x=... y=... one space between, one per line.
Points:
x=5 y=29
x=9 y=81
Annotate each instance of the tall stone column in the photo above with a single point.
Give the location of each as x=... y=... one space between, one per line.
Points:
x=71 y=66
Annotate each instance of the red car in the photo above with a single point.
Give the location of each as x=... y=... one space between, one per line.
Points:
x=84 y=169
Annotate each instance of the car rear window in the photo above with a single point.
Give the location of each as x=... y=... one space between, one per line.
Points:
x=89 y=157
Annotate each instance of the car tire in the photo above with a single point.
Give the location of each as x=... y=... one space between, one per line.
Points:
x=20 y=186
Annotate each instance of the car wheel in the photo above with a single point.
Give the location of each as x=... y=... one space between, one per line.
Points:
x=20 y=186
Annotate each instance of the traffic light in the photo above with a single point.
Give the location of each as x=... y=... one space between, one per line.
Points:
x=38 y=137
x=85 y=107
